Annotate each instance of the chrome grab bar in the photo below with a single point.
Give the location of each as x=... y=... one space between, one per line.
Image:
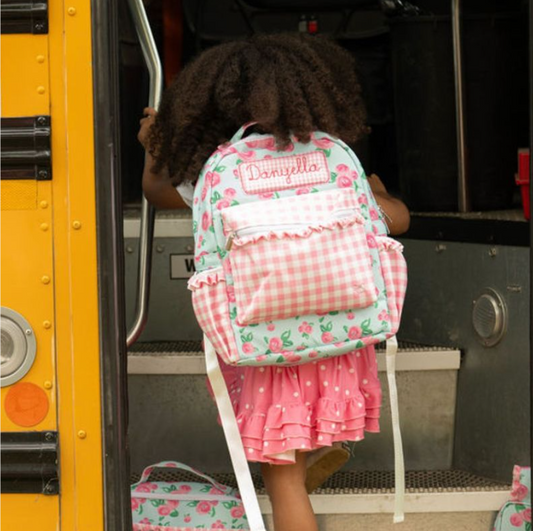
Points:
x=462 y=169
x=155 y=70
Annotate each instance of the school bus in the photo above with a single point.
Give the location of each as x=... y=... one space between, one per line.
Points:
x=76 y=271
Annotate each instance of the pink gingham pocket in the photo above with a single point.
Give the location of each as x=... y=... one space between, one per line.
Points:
x=394 y=271
x=309 y=254
x=211 y=305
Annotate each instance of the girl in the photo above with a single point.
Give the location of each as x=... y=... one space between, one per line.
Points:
x=288 y=85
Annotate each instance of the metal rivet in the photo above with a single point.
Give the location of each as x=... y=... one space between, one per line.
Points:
x=47 y=324
x=160 y=248
x=41 y=120
x=71 y=11
x=39 y=26
x=45 y=279
x=28 y=332
x=43 y=204
x=129 y=249
x=440 y=248
x=49 y=436
x=49 y=489
x=82 y=434
x=43 y=174
x=44 y=226
x=41 y=89
x=189 y=248
x=76 y=225
x=493 y=251
x=40 y=58
x=48 y=384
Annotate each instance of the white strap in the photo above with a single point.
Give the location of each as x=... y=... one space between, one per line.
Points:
x=399 y=465
x=233 y=438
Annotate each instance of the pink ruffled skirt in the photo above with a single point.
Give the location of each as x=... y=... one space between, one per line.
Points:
x=284 y=409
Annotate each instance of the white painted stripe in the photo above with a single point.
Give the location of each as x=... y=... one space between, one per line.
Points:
x=164 y=228
x=162 y=363
x=423 y=502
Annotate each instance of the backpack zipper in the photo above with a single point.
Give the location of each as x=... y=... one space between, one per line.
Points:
x=248 y=231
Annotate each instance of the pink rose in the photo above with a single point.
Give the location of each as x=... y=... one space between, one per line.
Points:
x=248 y=348
x=145 y=521
x=519 y=493
x=372 y=243
x=342 y=168
x=363 y=199
x=237 y=512
x=374 y=214
x=516 y=519
x=204 y=192
x=327 y=337
x=343 y=181
x=300 y=347
x=218 y=525
x=196 y=200
x=302 y=191
x=215 y=179
x=199 y=257
x=267 y=195
x=173 y=503
x=266 y=143
x=247 y=155
x=203 y=507
x=164 y=510
x=217 y=492
x=384 y=316
x=322 y=143
x=223 y=203
x=526 y=514
x=313 y=354
x=142 y=488
x=261 y=358
x=275 y=344
x=135 y=504
x=355 y=332
x=206 y=221
x=271 y=327
x=183 y=489
x=226 y=149
x=187 y=519
x=339 y=344
x=350 y=316
x=230 y=193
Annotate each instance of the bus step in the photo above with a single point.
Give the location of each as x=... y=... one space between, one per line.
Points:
x=186 y=357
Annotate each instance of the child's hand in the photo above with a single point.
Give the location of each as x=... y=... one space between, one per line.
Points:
x=146 y=124
x=376 y=185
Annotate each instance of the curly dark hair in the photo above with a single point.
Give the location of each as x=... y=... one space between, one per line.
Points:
x=287 y=83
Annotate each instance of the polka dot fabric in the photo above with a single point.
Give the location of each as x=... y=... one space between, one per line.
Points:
x=281 y=410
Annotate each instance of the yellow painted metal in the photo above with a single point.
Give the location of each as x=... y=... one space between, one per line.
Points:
x=25 y=75
x=27 y=256
x=76 y=327
x=53 y=75
x=18 y=195
x=23 y=512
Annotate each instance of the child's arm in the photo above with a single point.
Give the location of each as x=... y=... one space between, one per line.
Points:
x=396 y=213
x=157 y=187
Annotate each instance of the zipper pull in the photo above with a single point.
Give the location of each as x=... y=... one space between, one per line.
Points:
x=229 y=241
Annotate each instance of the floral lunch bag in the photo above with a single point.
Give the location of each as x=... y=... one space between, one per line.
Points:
x=185 y=506
x=515 y=515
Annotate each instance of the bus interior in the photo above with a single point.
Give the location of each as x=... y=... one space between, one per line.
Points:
x=463 y=365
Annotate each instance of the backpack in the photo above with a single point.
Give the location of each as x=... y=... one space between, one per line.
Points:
x=515 y=515
x=181 y=505
x=293 y=264
x=292 y=255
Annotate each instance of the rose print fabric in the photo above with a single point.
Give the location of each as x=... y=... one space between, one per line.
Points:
x=185 y=506
x=281 y=409
x=515 y=515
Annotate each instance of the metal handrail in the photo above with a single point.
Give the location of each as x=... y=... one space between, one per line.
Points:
x=153 y=62
x=462 y=168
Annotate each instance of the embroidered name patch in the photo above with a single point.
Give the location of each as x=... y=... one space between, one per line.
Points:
x=295 y=171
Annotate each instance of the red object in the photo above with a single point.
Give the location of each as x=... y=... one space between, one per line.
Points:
x=522 y=179
x=312 y=27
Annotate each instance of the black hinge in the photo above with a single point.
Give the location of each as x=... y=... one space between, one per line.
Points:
x=30 y=16
x=26 y=148
x=30 y=462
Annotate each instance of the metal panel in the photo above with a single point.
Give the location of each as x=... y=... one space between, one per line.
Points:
x=492 y=427
x=24 y=16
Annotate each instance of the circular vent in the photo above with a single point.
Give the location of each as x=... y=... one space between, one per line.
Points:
x=489 y=317
x=18 y=347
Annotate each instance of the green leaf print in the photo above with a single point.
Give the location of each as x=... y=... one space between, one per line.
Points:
x=334 y=313
x=206 y=488
x=321 y=320
x=220 y=169
x=333 y=177
x=212 y=229
x=528 y=526
x=365 y=327
x=345 y=328
x=221 y=252
x=247 y=338
x=359 y=344
x=280 y=359
x=229 y=505
x=253 y=325
x=215 y=197
x=266 y=340
x=174 y=514
x=286 y=335
x=233 y=314
x=141 y=509
x=327 y=328
x=192 y=504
